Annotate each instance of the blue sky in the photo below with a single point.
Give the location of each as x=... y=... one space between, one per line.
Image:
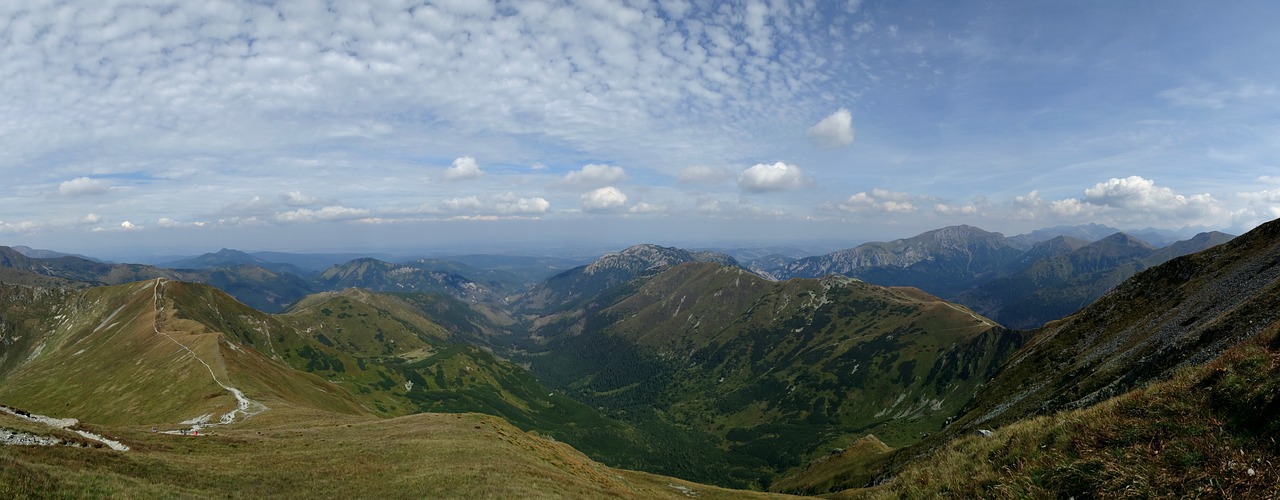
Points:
x=397 y=124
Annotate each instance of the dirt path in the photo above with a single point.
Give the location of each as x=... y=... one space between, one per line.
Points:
x=60 y=423
x=245 y=407
x=970 y=313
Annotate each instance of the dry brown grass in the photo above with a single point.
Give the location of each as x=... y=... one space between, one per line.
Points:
x=304 y=453
x=1210 y=432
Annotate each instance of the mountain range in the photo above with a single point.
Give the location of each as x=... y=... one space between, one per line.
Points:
x=1129 y=368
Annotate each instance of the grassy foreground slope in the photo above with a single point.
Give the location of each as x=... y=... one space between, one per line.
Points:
x=1209 y=432
x=1184 y=312
x=298 y=453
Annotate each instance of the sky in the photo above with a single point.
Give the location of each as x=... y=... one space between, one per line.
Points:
x=308 y=125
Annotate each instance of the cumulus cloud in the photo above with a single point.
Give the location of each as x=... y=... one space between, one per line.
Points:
x=703 y=174
x=646 y=208
x=1028 y=206
x=592 y=175
x=945 y=209
x=604 y=199
x=84 y=186
x=1137 y=193
x=1259 y=207
x=326 y=214
x=878 y=200
x=129 y=226
x=463 y=167
x=1137 y=200
x=763 y=177
x=834 y=131
x=295 y=198
x=90 y=219
x=501 y=204
x=169 y=223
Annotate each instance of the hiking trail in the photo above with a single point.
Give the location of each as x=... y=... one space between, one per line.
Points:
x=244 y=406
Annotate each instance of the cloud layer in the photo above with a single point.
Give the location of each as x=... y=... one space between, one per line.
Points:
x=221 y=116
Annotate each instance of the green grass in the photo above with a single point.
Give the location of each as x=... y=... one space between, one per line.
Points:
x=1199 y=434
x=771 y=374
x=310 y=455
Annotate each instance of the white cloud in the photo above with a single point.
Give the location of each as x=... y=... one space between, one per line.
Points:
x=1259 y=207
x=90 y=219
x=326 y=214
x=1070 y=207
x=603 y=200
x=84 y=186
x=1028 y=206
x=835 y=130
x=763 y=177
x=1137 y=193
x=646 y=208
x=252 y=206
x=295 y=198
x=501 y=204
x=592 y=175
x=703 y=174
x=877 y=201
x=944 y=209
x=19 y=227
x=129 y=226
x=1135 y=200
x=463 y=167
x=168 y=223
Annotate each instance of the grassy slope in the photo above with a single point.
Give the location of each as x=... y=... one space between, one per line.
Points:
x=102 y=361
x=1180 y=314
x=774 y=373
x=1210 y=432
x=1186 y=311
x=395 y=361
x=105 y=364
x=304 y=454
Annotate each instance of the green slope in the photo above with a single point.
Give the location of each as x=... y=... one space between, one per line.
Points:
x=1210 y=432
x=1164 y=323
x=773 y=373
x=118 y=355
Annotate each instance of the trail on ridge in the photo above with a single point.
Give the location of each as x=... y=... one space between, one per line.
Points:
x=244 y=406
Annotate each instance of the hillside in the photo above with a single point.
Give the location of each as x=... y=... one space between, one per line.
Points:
x=943 y=262
x=123 y=355
x=262 y=288
x=301 y=454
x=170 y=355
x=610 y=270
x=1058 y=283
x=774 y=372
x=1145 y=343
x=1209 y=431
x=381 y=276
x=232 y=258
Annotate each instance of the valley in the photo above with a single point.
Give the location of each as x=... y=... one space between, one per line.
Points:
x=688 y=364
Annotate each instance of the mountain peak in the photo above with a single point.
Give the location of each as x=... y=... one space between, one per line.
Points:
x=647 y=256
x=1124 y=239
